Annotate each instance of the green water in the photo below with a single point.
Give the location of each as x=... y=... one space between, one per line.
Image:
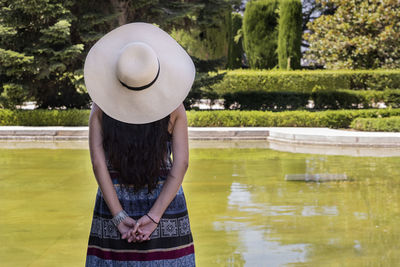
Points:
x=242 y=211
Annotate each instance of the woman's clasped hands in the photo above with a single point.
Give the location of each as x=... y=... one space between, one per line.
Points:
x=137 y=231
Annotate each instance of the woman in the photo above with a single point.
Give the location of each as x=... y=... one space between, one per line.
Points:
x=138 y=76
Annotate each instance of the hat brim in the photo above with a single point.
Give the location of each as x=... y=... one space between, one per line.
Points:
x=177 y=73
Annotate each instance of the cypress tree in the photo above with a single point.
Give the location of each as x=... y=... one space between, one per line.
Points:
x=260 y=33
x=289 y=37
x=235 y=48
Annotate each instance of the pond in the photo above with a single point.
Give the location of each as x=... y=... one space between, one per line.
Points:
x=242 y=210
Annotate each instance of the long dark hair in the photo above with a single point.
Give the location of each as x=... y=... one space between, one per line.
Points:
x=137 y=151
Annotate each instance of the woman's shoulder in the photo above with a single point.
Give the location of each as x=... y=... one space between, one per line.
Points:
x=96 y=110
x=178 y=113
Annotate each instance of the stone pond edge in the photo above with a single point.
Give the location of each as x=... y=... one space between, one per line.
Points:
x=293 y=135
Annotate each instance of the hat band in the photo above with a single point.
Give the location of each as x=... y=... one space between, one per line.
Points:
x=144 y=86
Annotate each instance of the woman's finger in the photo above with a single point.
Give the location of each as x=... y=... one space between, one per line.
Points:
x=125 y=235
x=136 y=227
x=132 y=238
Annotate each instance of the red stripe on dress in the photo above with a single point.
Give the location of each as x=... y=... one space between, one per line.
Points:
x=140 y=256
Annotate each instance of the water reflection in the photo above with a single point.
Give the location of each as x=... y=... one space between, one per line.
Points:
x=242 y=211
x=319 y=211
x=263 y=220
x=255 y=246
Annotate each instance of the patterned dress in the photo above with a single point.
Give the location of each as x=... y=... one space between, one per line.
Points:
x=171 y=244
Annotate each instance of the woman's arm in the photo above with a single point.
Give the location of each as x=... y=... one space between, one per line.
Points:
x=100 y=168
x=180 y=150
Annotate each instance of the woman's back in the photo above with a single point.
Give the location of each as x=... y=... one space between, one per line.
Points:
x=164 y=169
x=138 y=152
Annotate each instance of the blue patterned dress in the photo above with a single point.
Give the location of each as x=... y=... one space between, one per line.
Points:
x=171 y=244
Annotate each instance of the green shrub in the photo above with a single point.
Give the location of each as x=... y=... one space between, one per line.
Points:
x=222 y=118
x=340 y=99
x=331 y=118
x=392 y=98
x=268 y=90
x=260 y=33
x=306 y=81
x=391 y=124
x=289 y=36
x=259 y=100
x=12 y=95
x=350 y=99
x=42 y=117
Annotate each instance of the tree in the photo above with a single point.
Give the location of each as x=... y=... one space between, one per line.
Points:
x=235 y=47
x=166 y=13
x=311 y=10
x=260 y=33
x=360 y=34
x=206 y=36
x=43 y=43
x=289 y=36
x=42 y=47
x=34 y=39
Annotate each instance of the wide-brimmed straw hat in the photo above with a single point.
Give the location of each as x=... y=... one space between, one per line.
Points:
x=138 y=73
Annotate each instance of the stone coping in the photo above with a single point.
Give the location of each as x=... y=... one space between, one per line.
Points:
x=224 y=144
x=293 y=135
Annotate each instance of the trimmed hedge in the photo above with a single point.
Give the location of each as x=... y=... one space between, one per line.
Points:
x=391 y=124
x=42 y=117
x=330 y=118
x=307 y=81
x=259 y=100
x=223 y=118
x=349 y=99
x=339 y=99
x=291 y=90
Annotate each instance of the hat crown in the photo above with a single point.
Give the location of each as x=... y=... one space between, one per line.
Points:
x=137 y=65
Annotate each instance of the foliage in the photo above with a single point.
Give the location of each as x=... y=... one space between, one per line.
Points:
x=206 y=44
x=322 y=99
x=391 y=124
x=279 y=90
x=259 y=100
x=235 y=47
x=12 y=95
x=224 y=118
x=167 y=13
x=330 y=118
x=42 y=49
x=43 y=43
x=311 y=10
x=306 y=81
x=361 y=34
x=289 y=34
x=43 y=117
x=207 y=39
x=260 y=33
x=202 y=86
x=392 y=98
